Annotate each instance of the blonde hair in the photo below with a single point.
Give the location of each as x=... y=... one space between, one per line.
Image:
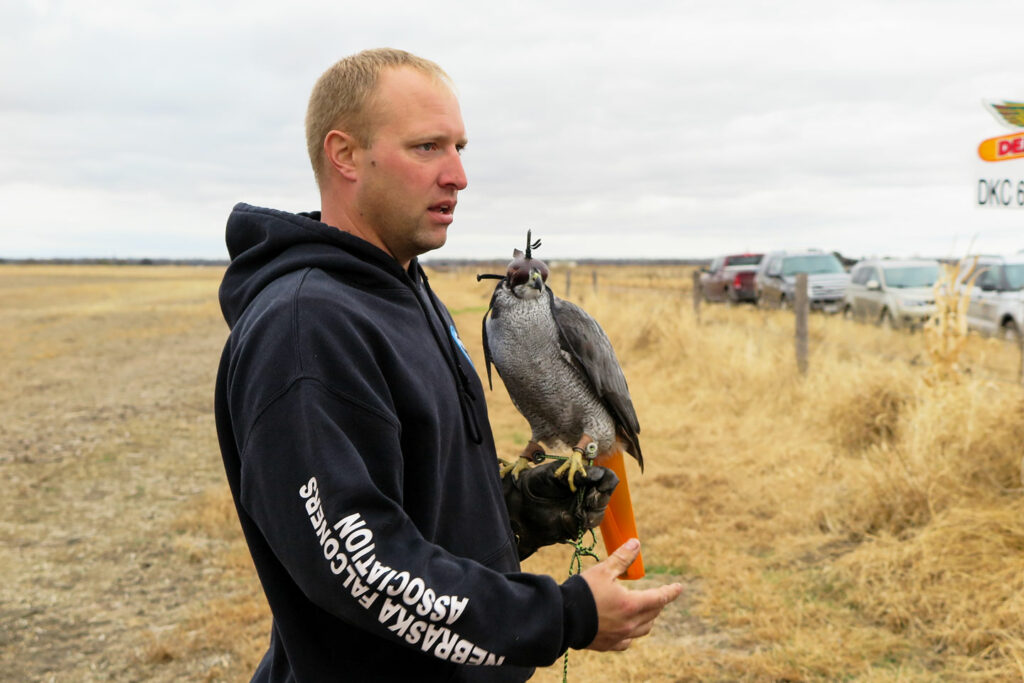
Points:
x=341 y=96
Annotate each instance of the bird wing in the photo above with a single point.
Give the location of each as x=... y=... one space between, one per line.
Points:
x=488 y=360
x=581 y=337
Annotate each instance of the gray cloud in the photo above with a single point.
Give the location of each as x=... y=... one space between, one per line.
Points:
x=670 y=129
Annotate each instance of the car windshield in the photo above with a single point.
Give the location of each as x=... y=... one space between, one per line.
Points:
x=911 y=276
x=812 y=265
x=1014 y=275
x=752 y=260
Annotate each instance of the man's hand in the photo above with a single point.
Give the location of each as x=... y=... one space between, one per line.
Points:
x=543 y=510
x=622 y=614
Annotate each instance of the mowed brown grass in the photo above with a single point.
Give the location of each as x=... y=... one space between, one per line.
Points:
x=857 y=523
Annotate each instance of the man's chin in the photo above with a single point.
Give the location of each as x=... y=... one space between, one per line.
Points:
x=433 y=239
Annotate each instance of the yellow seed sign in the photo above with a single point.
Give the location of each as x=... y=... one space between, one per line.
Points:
x=1002 y=148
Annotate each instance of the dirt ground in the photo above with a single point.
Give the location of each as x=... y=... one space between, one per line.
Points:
x=107 y=443
x=106 y=436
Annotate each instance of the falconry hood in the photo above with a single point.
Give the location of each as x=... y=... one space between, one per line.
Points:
x=526 y=275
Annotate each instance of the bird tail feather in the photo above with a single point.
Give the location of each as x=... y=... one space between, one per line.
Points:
x=619 y=524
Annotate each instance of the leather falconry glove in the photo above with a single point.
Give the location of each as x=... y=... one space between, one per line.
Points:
x=543 y=510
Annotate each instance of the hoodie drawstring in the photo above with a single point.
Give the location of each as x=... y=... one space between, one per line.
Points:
x=466 y=397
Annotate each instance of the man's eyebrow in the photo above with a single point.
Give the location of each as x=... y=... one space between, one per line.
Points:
x=441 y=138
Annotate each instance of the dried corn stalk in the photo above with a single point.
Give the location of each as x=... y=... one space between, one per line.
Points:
x=946 y=330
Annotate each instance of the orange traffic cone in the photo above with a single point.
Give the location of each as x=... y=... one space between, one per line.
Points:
x=619 y=524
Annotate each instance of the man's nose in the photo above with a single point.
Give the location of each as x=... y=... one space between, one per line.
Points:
x=454 y=175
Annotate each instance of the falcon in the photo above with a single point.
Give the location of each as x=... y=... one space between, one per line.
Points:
x=563 y=376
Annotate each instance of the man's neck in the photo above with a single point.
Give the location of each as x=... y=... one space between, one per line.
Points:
x=340 y=220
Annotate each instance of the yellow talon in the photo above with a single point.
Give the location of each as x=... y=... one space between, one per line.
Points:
x=515 y=468
x=574 y=465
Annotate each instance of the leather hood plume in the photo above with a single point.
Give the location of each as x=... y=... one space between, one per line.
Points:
x=521 y=265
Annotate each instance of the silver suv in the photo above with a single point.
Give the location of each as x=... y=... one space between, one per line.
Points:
x=775 y=282
x=898 y=294
x=997 y=299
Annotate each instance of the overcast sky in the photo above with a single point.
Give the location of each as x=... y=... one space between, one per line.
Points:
x=666 y=129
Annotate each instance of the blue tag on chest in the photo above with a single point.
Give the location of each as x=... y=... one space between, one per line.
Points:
x=458 y=342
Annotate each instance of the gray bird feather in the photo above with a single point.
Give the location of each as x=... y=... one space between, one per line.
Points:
x=559 y=368
x=580 y=335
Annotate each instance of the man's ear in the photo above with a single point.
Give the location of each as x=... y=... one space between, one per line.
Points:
x=339 y=151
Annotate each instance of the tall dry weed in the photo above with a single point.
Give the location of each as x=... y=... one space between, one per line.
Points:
x=927 y=448
x=865 y=410
x=958 y=583
x=946 y=329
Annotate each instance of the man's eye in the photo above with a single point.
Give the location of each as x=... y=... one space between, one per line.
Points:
x=427 y=146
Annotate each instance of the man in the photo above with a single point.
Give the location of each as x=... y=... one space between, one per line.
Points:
x=354 y=429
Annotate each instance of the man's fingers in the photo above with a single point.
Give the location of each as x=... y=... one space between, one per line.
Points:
x=656 y=599
x=643 y=629
x=653 y=600
x=669 y=593
x=619 y=561
x=624 y=614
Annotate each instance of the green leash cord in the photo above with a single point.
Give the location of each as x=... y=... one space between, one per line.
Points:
x=579 y=549
x=576 y=566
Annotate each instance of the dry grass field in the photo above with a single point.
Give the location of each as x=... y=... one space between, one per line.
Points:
x=857 y=523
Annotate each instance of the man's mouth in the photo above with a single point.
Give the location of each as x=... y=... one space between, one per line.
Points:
x=443 y=212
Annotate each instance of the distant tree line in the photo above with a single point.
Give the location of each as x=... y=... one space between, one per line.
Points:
x=116 y=261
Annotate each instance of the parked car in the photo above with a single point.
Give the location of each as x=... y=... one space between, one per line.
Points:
x=997 y=300
x=775 y=282
x=895 y=293
x=730 y=278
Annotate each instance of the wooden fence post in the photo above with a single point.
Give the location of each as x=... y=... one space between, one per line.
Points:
x=568 y=282
x=1020 y=349
x=593 y=280
x=801 y=307
x=696 y=295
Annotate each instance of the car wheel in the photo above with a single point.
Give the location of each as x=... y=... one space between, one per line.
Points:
x=1010 y=332
x=848 y=312
x=784 y=303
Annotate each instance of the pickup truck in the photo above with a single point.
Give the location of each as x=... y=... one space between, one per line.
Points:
x=730 y=278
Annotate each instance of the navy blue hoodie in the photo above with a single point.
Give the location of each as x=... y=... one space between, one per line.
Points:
x=357 y=447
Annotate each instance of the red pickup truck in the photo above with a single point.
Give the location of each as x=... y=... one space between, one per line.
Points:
x=730 y=278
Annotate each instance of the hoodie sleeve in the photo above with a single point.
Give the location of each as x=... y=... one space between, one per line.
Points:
x=322 y=477
x=353 y=552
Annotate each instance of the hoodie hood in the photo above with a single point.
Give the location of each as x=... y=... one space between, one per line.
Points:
x=265 y=244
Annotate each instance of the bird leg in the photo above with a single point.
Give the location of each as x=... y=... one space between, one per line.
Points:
x=585 y=448
x=523 y=461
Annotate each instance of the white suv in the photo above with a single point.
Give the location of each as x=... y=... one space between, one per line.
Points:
x=997 y=299
x=898 y=294
x=775 y=282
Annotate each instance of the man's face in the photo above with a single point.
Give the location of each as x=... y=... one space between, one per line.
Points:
x=410 y=176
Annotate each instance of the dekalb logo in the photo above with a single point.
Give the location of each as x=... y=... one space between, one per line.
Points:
x=1005 y=147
